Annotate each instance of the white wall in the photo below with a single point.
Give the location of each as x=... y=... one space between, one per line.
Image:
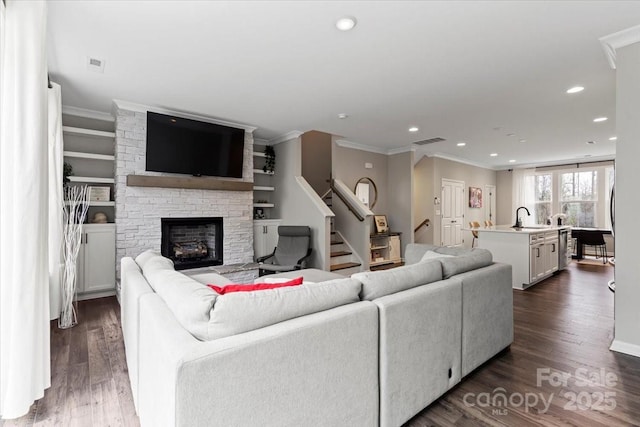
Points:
x=627 y=296
x=423 y=199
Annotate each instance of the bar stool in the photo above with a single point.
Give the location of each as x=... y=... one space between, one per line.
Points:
x=488 y=223
x=595 y=239
x=474 y=233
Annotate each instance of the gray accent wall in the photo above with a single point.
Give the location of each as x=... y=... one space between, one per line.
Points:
x=349 y=166
x=400 y=183
x=316 y=160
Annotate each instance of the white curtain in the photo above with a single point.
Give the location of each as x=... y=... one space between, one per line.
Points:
x=25 y=370
x=522 y=190
x=55 y=198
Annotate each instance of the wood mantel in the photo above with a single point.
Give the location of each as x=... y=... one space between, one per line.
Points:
x=201 y=183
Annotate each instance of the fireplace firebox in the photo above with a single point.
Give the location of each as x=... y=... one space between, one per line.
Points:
x=192 y=242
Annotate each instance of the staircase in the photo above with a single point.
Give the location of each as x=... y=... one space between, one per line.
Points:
x=343 y=261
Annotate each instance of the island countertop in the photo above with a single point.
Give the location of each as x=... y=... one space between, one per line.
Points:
x=524 y=230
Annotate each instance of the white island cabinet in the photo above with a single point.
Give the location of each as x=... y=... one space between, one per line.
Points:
x=533 y=253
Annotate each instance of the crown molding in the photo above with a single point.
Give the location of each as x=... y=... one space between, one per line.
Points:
x=90 y=114
x=361 y=147
x=406 y=149
x=460 y=160
x=141 y=108
x=615 y=41
x=285 y=137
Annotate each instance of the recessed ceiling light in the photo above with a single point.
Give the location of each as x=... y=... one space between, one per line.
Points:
x=575 y=89
x=342 y=116
x=511 y=134
x=591 y=142
x=599 y=119
x=461 y=144
x=173 y=120
x=512 y=161
x=523 y=140
x=494 y=154
x=346 y=23
x=613 y=138
x=413 y=129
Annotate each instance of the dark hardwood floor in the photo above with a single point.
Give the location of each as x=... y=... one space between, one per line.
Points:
x=561 y=324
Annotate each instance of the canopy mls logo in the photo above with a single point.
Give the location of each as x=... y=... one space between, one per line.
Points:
x=595 y=400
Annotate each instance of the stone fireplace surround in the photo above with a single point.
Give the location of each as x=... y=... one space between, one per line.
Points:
x=207 y=231
x=139 y=210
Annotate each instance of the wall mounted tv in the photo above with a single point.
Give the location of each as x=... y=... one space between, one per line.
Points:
x=178 y=145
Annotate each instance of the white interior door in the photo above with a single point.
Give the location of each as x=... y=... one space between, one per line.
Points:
x=452 y=212
x=490 y=203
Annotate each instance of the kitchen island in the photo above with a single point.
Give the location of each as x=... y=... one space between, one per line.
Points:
x=534 y=253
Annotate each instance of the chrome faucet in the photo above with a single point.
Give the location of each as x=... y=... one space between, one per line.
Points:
x=518 y=223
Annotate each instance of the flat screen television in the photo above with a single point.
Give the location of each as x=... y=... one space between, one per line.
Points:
x=178 y=145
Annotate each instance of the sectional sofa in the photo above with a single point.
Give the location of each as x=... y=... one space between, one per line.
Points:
x=373 y=349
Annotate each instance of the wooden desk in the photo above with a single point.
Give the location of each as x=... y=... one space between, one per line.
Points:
x=578 y=232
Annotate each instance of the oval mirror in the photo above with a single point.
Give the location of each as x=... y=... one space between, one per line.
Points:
x=366 y=191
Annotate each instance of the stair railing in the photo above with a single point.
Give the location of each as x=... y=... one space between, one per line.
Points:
x=346 y=202
x=426 y=222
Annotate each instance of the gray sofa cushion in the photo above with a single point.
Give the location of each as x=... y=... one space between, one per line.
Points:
x=145 y=256
x=240 y=312
x=463 y=260
x=376 y=284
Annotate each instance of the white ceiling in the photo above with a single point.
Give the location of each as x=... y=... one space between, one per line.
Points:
x=465 y=71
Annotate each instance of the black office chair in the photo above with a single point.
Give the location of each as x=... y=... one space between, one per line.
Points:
x=595 y=239
x=292 y=252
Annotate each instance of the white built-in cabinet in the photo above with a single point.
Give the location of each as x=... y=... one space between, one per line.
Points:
x=96 y=261
x=265 y=236
x=89 y=147
x=543 y=255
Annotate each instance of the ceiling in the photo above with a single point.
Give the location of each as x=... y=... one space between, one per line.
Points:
x=467 y=71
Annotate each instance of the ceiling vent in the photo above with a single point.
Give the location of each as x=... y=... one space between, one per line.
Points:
x=429 y=141
x=95 y=64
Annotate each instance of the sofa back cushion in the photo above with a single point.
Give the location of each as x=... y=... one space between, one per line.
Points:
x=463 y=260
x=414 y=252
x=376 y=284
x=240 y=312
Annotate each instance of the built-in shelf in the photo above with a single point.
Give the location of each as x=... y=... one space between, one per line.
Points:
x=202 y=183
x=87 y=132
x=263 y=188
x=263 y=205
x=373 y=264
x=258 y=154
x=92 y=179
x=79 y=155
x=91 y=203
x=260 y=171
x=379 y=247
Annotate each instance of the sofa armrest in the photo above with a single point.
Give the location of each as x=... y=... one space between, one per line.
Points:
x=318 y=367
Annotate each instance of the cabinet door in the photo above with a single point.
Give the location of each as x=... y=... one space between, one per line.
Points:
x=551 y=250
x=536 y=262
x=99 y=260
x=80 y=267
x=394 y=248
x=258 y=241
x=271 y=238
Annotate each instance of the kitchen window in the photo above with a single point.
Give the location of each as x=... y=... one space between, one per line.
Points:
x=579 y=198
x=543 y=196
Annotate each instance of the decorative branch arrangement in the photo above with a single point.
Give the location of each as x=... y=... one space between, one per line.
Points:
x=270 y=159
x=74 y=207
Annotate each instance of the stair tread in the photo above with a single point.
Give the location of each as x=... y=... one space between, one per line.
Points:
x=340 y=253
x=337 y=242
x=344 y=265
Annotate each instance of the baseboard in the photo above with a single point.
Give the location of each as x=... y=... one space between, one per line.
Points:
x=93 y=295
x=625 y=347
